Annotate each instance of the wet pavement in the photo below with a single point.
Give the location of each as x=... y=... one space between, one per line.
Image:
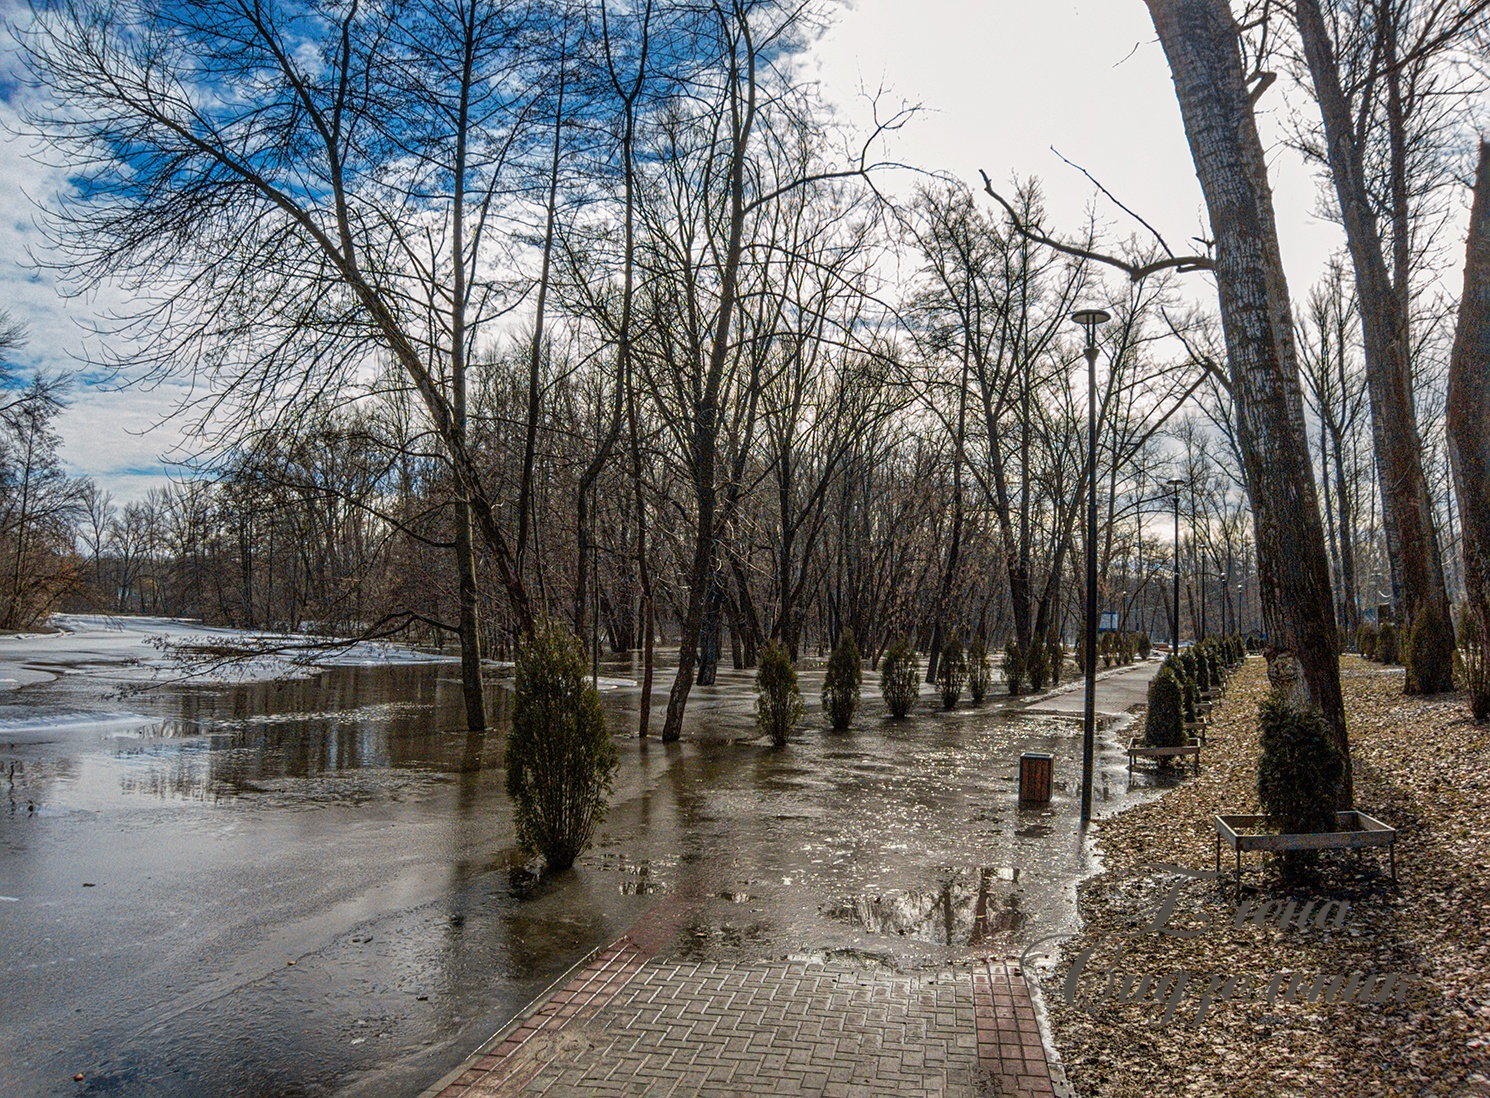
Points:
x=310 y=887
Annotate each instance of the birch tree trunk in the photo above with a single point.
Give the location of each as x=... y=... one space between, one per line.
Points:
x=1468 y=425
x=1200 y=40
x=1407 y=506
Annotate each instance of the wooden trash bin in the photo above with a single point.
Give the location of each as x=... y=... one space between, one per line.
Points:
x=1034 y=777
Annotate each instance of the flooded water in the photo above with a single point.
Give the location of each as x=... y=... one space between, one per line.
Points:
x=311 y=887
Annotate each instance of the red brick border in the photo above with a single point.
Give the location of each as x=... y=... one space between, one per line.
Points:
x=582 y=997
x=1009 y=1043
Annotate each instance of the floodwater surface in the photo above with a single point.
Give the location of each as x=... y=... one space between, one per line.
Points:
x=311 y=887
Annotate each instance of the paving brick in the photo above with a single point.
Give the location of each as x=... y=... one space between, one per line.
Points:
x=723 y=1030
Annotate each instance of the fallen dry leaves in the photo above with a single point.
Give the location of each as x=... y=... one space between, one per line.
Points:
x=1422 y=766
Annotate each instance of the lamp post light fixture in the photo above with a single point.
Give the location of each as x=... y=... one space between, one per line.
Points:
x=1089 y=319
x=1174 y=631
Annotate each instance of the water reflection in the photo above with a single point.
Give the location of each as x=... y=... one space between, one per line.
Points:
x=973 y=907
x=352 y=824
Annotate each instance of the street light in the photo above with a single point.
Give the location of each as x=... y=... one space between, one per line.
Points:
x=1089 y=319
x=1174 y=633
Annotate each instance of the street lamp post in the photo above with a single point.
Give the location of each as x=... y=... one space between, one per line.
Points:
x=1174 y=633
x=1089 y=319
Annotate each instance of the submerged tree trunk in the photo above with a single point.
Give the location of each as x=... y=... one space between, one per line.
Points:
x=1406 y=505
x=1200 y=39
x=1468 y=425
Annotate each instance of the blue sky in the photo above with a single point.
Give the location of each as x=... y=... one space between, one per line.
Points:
x=1001 y=81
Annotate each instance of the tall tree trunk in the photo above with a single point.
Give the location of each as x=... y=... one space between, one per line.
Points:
x=465 y=553
x=706 y=410
x=1468 y=426
x=1200 y=39
x=1407 y=505
x=1349 y=600
x=535 y=354
x=954 y=550
x=625 y=378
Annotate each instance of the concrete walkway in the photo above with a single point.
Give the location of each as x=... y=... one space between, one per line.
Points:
x=627 y=1024
x=1118 y=690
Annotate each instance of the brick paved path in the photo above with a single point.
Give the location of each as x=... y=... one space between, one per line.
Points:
x=630 y=1025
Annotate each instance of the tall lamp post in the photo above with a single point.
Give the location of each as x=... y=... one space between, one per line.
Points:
x=1174 y=633
x=1089 y=319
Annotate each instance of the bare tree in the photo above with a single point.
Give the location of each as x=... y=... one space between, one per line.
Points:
x=1469 y=402
x=1384 y=324
x=1201 y=40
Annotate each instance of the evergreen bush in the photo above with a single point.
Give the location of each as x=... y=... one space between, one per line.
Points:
x=1386 y=643
x=979 y=674
x=1164 y=724
x=560 y=760
x=1474 y=663
x=1187 y=664
x=1035 y=666
x=841 y=682
x=951 y=673
x=900 y=683
x=1202 y=670
x=1145 y=646
x=1013 y=667
x=1055 y=656
x=1105 y=649
x=778 y=701
x=1299 y=772
x=1365 y=641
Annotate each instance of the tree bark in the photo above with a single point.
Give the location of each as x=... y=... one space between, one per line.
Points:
x=1200 y=39
x=1468 y=420
x=1407 y=506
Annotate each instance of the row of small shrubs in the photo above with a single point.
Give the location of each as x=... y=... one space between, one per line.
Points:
x=1036 y=668
x=1182 y=678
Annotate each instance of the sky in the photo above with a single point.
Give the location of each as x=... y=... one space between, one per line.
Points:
x=999 y=83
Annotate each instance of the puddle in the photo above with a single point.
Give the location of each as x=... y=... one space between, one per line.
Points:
x=973 y=908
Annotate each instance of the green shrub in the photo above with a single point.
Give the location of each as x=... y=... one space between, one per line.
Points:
x=1365 y=641
x=1164 y=724
x=778 y=702
x=979 y=674
x=841 y=682
x=1035 y=666
x=900 y=683
x=1013 y=667
x=1105 y=649
x=1299 y=772
x=1055 y=656
x=1202 y=670
x=1474 y=663
x=951 y=673
x=560 y=759
x=1145 y=646
x=1386 y=644
x=1188 y=669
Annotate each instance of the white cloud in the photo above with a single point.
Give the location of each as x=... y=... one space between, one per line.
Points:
x=1003 y=81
